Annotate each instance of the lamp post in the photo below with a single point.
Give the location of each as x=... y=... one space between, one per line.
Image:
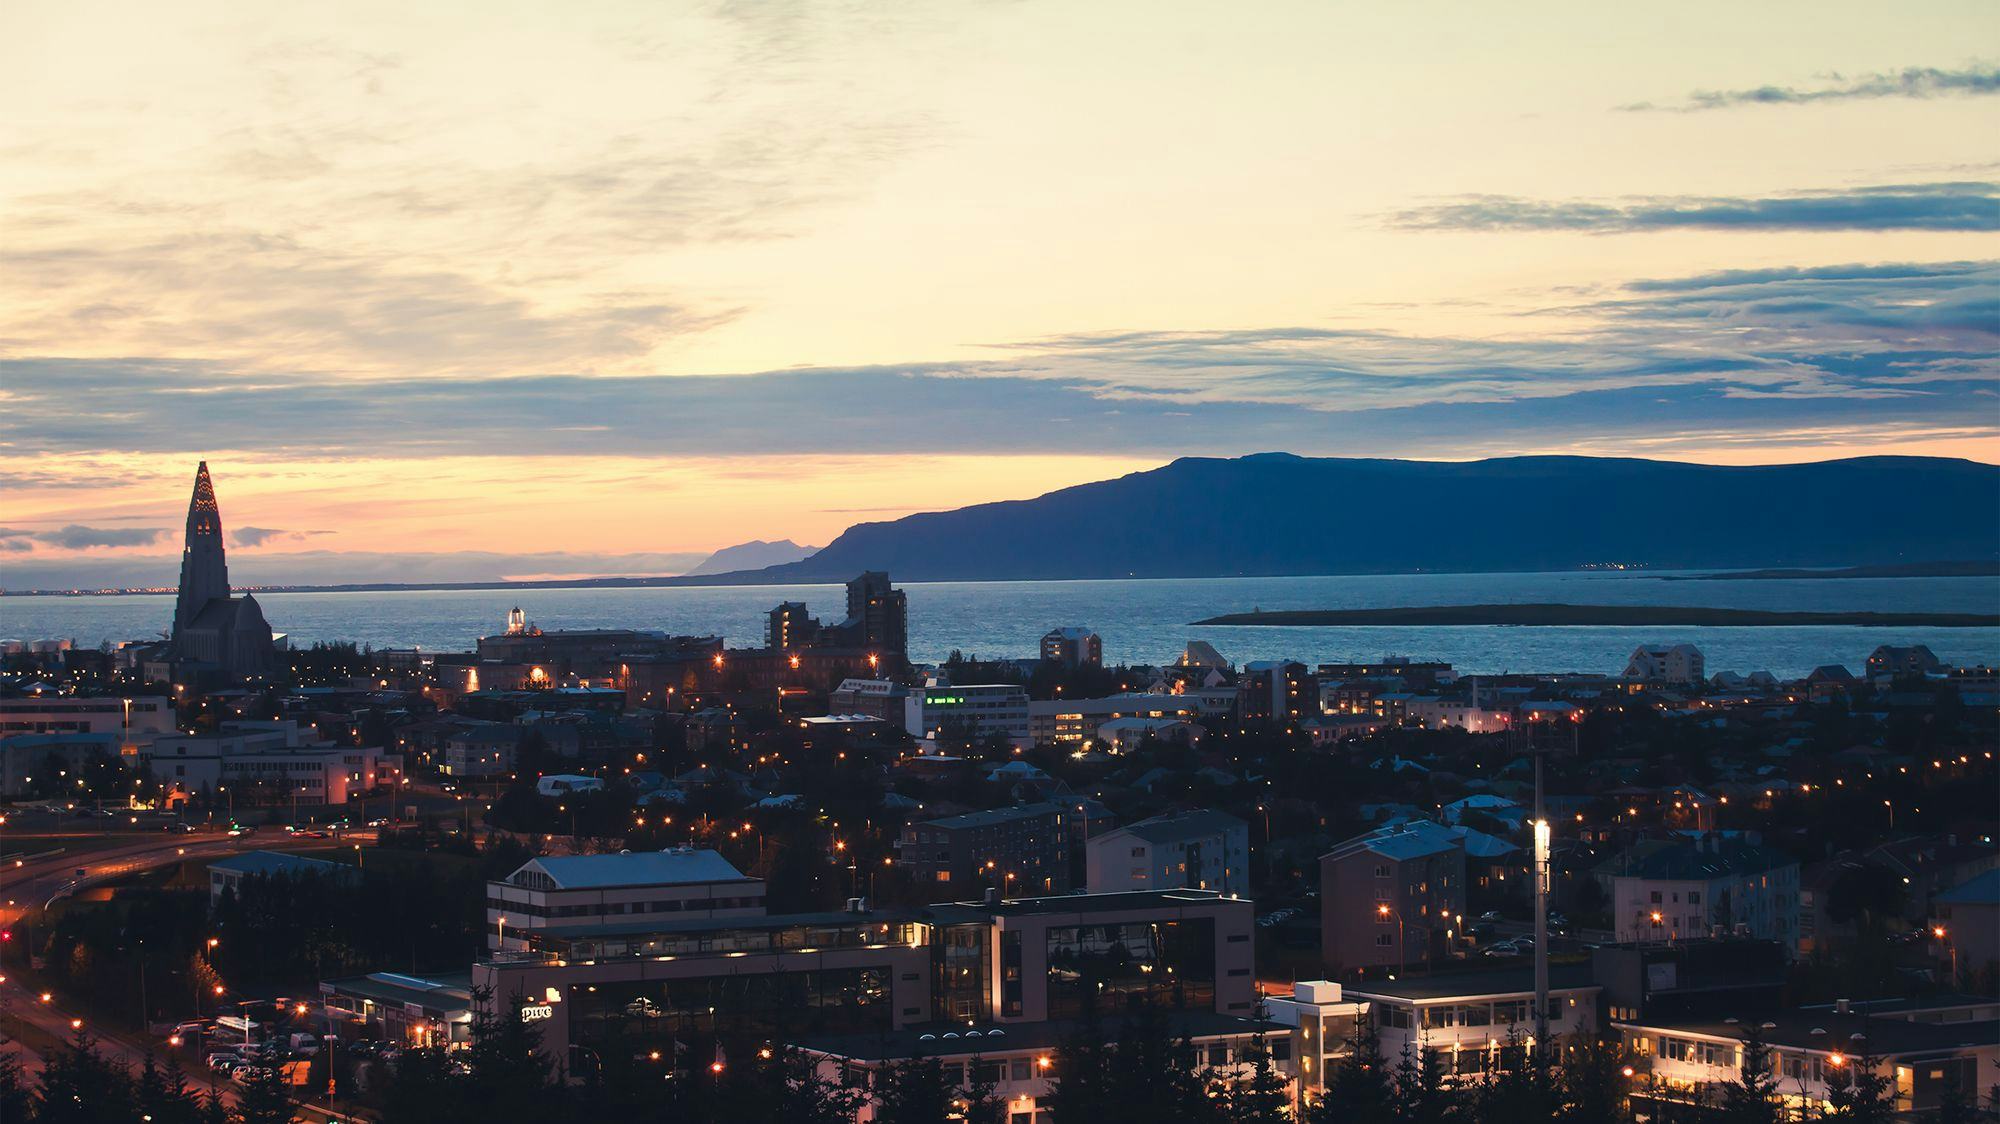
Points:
x=1383 y=910
x=1943 y=936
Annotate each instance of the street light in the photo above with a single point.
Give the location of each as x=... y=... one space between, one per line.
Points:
x=1383 y=911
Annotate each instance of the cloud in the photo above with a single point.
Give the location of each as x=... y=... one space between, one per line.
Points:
x=260 y=536
x=1910 y=82
x=1935 y=206
x=78 y=537
x=1895 y=346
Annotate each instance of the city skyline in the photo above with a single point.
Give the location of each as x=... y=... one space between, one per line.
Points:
x=648 y=284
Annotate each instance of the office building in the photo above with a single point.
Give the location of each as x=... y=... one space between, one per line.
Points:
x=1476 y=1022
x=944 y=712
x=134 y=720
x=1072 y=721
x=846 y=980
x=558 y=894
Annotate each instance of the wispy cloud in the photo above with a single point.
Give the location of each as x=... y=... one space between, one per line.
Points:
x=1932 y=206
x=1910 y=82
x=1889 y=345
x=253 y=537
x=78 y=537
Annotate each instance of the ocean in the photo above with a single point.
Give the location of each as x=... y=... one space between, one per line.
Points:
x=1141 y=621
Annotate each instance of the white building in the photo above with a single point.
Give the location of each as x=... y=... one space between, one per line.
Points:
x=562 y=784
x=569 y=892
x=273 y=763
x=1661 y=663
x=973 y=712
x=1920 y=1046
x=1204 y=850
x=1433 y=713
x=1473 y=1021
x=135 y=719
x=1070 y=721
x=1325 y=1025
x=1665 y=891
x=1121 y=735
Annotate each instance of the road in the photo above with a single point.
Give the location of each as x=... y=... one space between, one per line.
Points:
x=30 y=884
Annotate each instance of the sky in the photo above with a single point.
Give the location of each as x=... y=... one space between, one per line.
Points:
x=471 y=290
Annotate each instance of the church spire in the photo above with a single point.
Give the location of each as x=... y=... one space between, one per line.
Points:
x=204 y=569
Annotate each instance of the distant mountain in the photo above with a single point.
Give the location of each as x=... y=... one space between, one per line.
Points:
x=754 y=555
x=1278 y=514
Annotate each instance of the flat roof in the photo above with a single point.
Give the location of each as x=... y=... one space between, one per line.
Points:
x=956 y=1040
x=1826 y=1032
x=634 y=868
x=1454 y=985
x=444 y=992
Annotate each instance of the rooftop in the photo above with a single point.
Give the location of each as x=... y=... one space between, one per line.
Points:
x=955 y=1040
x=1181 y=825
x=276 y=862
x=634 y=868
x=1469 y=985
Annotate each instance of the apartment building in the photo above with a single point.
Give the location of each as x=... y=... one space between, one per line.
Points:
x=1202 y=850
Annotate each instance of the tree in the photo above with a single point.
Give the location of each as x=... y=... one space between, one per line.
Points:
x=1753 y=1097
x=1861 y=1093
x=914 y=1092
x=1953 y=1106
x=15 y=1100
x=1522 y=1088
x=506 y=1075
x=80 y=1087
x=1420 y=1095
x=266 y=1098
x=1358 y=1090
x=1261 y=1096
x=1594 y=1085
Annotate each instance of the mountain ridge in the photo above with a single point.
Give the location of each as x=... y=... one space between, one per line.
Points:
x=1280 y=514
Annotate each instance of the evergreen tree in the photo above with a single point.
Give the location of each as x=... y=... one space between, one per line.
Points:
x=1079 y=1087
x=1753 y=1097
x=981 y=1102
x=1420 y=1095
x=1861 y=1093
x=1522 y=1088
x=420 y=1090
x=1358 y=1091
x=266 y=1098
x=79 y=1086
x=1261 y=1096
x=506 y=1075
x=15 y=1100
x=1594 y=1086
x=1953 y=1106
x=914 y=1092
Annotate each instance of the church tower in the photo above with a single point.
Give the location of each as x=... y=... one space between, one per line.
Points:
x=204 y=571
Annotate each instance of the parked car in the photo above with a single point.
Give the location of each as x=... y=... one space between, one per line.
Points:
x=378 y=822
x=1491 y=915
x=1503 y=948
x=244 y=1074
x=223 y=1060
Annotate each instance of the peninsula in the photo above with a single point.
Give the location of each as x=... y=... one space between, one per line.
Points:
x=1555 y=614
